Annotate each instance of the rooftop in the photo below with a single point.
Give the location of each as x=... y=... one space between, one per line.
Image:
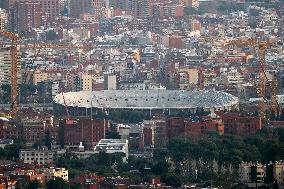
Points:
x=147 y=99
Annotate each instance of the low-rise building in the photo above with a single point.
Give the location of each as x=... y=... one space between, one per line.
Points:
x=40 y=156
x=52 y=173
x=113 y=146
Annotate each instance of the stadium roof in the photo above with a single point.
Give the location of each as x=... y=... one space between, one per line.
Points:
x=147 y=99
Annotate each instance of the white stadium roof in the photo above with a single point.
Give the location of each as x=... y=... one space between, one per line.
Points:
x=147 y=99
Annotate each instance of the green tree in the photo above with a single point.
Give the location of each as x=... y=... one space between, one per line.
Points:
x=34 y=184
x=57 y=183
x=172 y=179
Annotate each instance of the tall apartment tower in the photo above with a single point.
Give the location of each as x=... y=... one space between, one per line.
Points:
x=3 y=19
x=140 y=8
x=50 y=8
x=99 y=7
x=27 y=16
x=78 y=7
x=5 y=66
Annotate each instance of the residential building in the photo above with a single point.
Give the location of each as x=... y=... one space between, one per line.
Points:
x=88 y=131
x=28 y=15
x=5 y=67
x=113 y=146
x=84 y=82
x=40 y=156
x=140 y=8
x=39 y=76
x=236 y=124
x=52 y=173
x=3 y=19
x=192 y=3
x=110 y=82
x=79 y=7
x=278 y=172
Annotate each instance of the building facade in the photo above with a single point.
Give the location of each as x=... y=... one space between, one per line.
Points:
x=3 y=19
x=5 y=66
x=41 y=156
x=28 y=15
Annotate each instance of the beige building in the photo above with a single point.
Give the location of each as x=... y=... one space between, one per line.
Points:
x=193 y=76
x=52 y=173
x=3 y=19
x=84 y=82
x=278 y=172
x=39 y=76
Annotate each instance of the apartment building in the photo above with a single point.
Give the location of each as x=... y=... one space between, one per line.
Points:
x=40 y=156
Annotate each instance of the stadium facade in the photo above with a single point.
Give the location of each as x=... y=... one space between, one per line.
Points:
x=86 y=102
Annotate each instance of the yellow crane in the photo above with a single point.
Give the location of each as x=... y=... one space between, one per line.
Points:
x=15 y=39
x=261 y=46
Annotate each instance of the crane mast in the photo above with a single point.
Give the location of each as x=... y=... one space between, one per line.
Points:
x=261 y=47
x=14 y=69
x=14 y=47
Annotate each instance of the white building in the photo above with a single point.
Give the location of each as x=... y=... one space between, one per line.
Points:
x=110 y=82
x=113 y=146
x=3 y=19
x=42 y=156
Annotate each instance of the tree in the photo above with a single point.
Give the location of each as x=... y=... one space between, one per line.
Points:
x=172 y=180
x=57 y=183
x=161 y=167
x=34 y=184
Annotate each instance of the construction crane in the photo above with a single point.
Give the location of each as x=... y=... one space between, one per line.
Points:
x=261 y=46
x=14 y=68
x=14 y=62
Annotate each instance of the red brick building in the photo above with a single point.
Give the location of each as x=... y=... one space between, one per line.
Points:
x=175 y=127
x=9 y=131
x=195 y=129
x=88 y=131
x=181 y=127
x=236 y=124
x=175 y=42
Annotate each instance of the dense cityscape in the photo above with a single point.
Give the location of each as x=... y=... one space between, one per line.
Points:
x=117 y=94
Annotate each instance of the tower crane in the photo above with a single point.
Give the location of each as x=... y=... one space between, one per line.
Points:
x=15 y=39
x=261 y=47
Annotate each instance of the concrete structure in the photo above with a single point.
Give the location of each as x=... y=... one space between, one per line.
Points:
x=3 y=19
x=41 y=156
x=113 y=146
x=5 y=66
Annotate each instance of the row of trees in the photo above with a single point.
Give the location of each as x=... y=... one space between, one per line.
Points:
x=40 y=93
x=211 y=159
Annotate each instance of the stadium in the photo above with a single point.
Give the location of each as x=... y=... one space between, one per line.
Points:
x=86 y=102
